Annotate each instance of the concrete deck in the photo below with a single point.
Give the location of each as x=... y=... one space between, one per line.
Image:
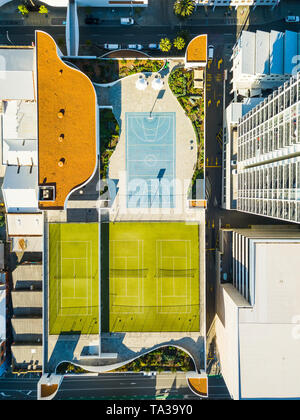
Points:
x=125 y=97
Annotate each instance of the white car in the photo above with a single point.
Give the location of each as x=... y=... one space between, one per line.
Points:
x=111 y=46
x=135 y=47
x=292 y=19
x=211 y=50
x=127 y=21
x=153 y=46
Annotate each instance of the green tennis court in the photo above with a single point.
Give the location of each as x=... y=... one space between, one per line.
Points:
x=73 y=278
x=154 y=277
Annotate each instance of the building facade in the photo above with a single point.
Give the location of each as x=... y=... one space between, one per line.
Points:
x=263 y=60
x=237 y=3
x=269 y=155
x=257 y=330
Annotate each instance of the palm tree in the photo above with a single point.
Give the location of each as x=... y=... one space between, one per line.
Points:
x=184 y=8
x=165 y=44
x=43 y=9
x=179 y=43
x=23 y=9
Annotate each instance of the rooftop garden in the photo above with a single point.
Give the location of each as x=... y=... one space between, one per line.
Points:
x=107 y=71
x=163 y=359
x=181 y=82
x=109 y=137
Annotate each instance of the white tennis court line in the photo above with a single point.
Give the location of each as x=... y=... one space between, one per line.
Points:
x=140 y=285
x=89 y=281
x=159 y=276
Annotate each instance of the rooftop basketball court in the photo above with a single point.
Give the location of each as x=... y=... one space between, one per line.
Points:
x=150 y=159
x=73 y=278
x=154 y=277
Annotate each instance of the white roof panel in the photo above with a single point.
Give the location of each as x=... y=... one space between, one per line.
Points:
x=290 y=51
x=25 y=224
x=262 y=54
x=17 y=85
x=276 y=52
x=248 y=52
x=20 y=189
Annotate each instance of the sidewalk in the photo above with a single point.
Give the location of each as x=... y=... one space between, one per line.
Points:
x=10 y=15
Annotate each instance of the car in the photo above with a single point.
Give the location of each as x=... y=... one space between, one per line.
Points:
x=292 y=19
x=153 y=46
x=127 y=21
x=211 y=50
x=234 y=172
x=225 y=276
x=112 y=46
x=233 y=163
x=91 y=21
x=135 y=47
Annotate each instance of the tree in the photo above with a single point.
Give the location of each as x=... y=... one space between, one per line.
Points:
x=184 y=8
x=23 y=9
x=179 y=43
x=165 y=44
x=43 y=9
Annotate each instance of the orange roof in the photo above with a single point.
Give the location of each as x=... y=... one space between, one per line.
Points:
x=199 y=385
x=66 y=123
x=197 y=49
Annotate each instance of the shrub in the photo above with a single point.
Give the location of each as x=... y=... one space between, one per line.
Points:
x=23 y=9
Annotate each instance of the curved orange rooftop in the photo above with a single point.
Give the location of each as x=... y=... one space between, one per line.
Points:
x=67 y=124
x=198 y=386
x=197 y=50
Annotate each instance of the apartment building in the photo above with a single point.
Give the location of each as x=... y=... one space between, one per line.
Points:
x=257 y=321
x=238 y=3
x=263 y=60
x=2 y=326
x=268 y=155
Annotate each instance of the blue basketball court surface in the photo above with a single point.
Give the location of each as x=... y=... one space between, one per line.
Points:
x=150 y=159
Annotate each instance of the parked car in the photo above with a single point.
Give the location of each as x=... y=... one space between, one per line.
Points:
x=127 y=21
x=234 y=172
x=153 y=46
x=233 y=163
x=112 y=46
x=292 y=19
x=135 y=47
x=211 y=50
x=92 y=21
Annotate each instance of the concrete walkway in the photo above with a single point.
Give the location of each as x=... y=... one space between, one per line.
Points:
x=125 y=97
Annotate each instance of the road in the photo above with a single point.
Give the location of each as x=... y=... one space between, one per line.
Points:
x=112 y=386
x=100 y=34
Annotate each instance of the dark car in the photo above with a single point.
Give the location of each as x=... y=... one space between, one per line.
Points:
x=91 y=21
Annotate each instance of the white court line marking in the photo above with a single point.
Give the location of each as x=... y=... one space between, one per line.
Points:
x=188 y=256
x=115 y=277
x=88 y=279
